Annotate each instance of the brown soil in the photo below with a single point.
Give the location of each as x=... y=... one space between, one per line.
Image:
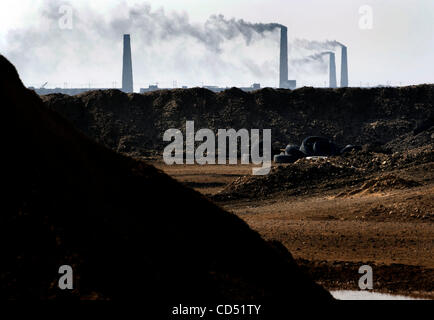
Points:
x=382 y=216
x=381 y=184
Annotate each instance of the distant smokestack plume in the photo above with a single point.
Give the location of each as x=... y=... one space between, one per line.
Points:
x=283 y=57
x=332 y=70
x=127 y=69
x=344 y=67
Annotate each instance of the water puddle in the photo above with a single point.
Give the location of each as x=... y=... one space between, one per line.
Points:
x=366 y=295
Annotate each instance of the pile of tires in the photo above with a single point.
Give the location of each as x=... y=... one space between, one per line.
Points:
x=313 y=146
x=292 y=153
x=319 y=146
x=283 y=158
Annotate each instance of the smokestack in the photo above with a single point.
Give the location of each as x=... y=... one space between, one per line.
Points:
x=332 y=72
x=127 y=69
x=283 y=80
x=344 y=67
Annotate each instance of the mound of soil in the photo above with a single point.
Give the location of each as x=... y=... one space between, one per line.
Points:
x=411 y=141
x=134 y=123
x=128 y=230
x=360 y=171
x=382 y=184
x=292 y=179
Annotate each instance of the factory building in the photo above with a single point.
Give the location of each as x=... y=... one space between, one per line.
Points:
x=284 y=83
x=253 y=87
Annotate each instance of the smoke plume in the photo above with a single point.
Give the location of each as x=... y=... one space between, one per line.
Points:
x=317 y=45
x=166 y=46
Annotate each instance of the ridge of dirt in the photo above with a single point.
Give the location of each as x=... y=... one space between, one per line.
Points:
x=355 y=173
x=135 y=123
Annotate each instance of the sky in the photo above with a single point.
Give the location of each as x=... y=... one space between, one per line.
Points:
x=78 y=43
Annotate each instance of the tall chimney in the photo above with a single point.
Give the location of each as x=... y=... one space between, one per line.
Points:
x=127 y=68
x=332 y=72
x=344 y=67
x=283 y=80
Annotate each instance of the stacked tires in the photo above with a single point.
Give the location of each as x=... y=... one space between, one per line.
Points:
x=319 y=146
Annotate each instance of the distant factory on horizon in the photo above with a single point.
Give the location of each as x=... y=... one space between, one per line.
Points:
x=284 y=82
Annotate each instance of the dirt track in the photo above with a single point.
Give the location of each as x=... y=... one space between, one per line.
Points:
x=332 y=233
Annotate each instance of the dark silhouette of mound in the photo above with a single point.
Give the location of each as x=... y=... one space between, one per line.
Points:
x=128 y=230
x=135 y=123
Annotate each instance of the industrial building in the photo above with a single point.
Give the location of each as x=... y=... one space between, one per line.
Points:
x=253 y=87
x=127 y=76
x=284 y=82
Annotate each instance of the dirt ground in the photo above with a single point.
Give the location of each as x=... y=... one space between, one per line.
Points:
x=333 y=232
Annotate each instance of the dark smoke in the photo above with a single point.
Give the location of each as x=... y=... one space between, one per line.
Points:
x=95 y=40
x=230 y=29
x=310 y=58
x=94 y=33
x=159 y=26
x=311 y=64
x=317 y=45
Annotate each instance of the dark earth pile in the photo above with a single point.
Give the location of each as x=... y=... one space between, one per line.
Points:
x=135 y=123
x=366 y=171
x=128 y=230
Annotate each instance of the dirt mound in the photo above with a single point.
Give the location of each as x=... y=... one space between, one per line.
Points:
x=359 y=170
x=128 y=230
x=411 y=141
x=135 y=123
x=292 y=179
x=382 y=184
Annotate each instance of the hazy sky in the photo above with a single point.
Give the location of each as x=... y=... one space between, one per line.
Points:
x=176 y=40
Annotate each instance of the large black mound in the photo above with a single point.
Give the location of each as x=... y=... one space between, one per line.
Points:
x=128 y=230
x=135 y=123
